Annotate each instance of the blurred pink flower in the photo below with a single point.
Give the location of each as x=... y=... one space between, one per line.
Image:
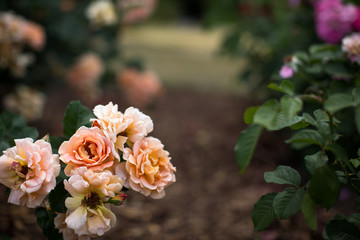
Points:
x=34 y=35
x=29 y=169
x=351 y=46
x=333 y=19
x=136 y=10
x=356 y=23
x=140 y=88
x=85 y=74
x=286 y=71
x=88 y=147
x=147 y=168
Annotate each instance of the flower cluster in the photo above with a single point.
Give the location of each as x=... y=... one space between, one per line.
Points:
x=15 y=32
x=334 y=19
x=100 y=160
x=351 y=46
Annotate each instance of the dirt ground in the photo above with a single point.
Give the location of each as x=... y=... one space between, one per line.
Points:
x=210 y=199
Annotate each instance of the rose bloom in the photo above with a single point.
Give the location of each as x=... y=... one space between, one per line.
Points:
x=147 y=168
x=29 y=169
x=286 y=71
x=26 y=101
x=88 y=147
x=87 y=215
x=139 y=127
x=351 y=46
x=140 y=88
x=136 y=10
x=334 y=19
x=101 y=12
x=68 y=233
x=85 y=75
x=34 y=35
x=112 y=122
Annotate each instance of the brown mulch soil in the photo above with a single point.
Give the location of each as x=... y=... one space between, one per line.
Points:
x=210 y=199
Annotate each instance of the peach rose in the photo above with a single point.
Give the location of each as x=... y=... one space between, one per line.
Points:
x=147 y=168
x=87 y=214
x=68 y=233
x=34 y=35
x=139 y=127
x=29 y=169
x=140 y=88
x=112 y=122
x=88 y=147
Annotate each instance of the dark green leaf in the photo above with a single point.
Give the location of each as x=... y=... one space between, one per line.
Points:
x=76 y=115
x=338 y=151
x=45 y=220
x=355 y=218
x=341 y=229
x=290 y=106
x=283 y=175
x=324 y=187
x=57 y=198
x=309 y=210
x=266 y=114
x=288 y=202
x=338 y=101
x=286 y=87
x=263 y=213
x=312 y=162
x=308 y=136
x=357 y=118
x=56 y=142
x=246 y=144
x=337 y=69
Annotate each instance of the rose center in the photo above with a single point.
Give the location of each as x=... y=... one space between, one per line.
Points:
x=21 y=170
x=88 y=150
x=91 y=200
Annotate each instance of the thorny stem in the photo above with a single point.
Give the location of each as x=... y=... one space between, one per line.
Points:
x=357 y=190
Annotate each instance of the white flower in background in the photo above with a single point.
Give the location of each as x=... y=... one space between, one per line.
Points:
x=102 y=13
x=29 y=169
x=351 y=46
x=112 y=122
x=87 y=214
x=26 y=101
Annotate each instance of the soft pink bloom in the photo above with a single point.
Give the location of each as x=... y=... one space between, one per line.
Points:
x=29 y=169
x=286 y=71
x=84 y=75
x=87 y=215
x=356 y=23
x=140 y=125
x=334 y=19
x=101 y=13
x=34 y=35
x=88 y=147
x=136 y=10
x=140 y=88
x=112 y=122
x=147 y=168
x=351 y=46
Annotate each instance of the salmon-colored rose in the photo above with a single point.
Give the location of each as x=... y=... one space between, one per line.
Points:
x=147 y=168
x=29 y=169
x=88 y=147
x=34 y=35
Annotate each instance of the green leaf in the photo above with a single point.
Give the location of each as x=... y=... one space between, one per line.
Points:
x=308 y=136
x=324 y=187
x=245 y=146
x=337 y=69
x=299 y=125
x=263 y=213
x=286 y=87
x=4 y=145
x=288 y=202
x=312 y=162
x=355 y=162
x=266 y=114
x=355 y=218
x=249 y=114
x=76 y=115
x=338 y=101
x=56 y=142
x=338 y=151
x=283 y=175
x=309 y=210
x=290 y=106
x=341 y=229
x=13 y=126
x=357 y=118
x=45 y=220
x=57 y=198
